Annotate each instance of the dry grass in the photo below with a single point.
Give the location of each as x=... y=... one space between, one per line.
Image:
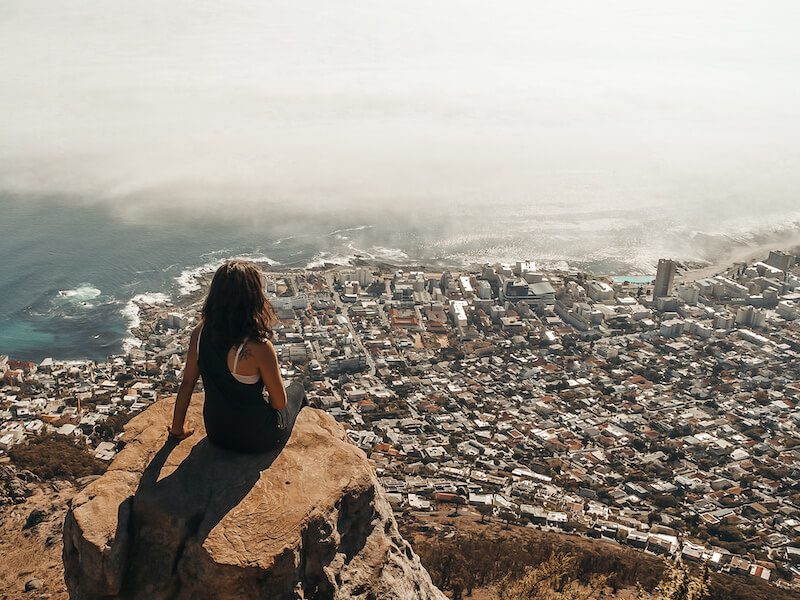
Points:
x=626 y=565
x=31 y=553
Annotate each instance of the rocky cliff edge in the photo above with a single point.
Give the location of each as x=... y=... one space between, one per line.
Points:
x=189 y=520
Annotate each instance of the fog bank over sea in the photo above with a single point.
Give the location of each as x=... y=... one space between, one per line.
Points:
x=142 y=141
x=688 y=108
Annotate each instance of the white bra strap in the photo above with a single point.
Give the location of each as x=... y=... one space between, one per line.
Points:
x=236 y=360
x=199 y=333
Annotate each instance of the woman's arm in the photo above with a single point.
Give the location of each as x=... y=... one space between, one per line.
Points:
x=191 y=373
x=271 y=375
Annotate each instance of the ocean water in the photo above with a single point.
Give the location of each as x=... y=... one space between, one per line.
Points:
x=72 y=274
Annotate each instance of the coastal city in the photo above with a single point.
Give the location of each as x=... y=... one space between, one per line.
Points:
x=658 y=412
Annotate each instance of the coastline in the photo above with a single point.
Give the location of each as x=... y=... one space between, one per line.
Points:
x=194 y=281
x=190 y=283
x=743 y=254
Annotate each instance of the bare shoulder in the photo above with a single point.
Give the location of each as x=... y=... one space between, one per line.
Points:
x=262 y=348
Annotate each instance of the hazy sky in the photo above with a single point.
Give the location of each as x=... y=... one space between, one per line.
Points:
x=687 y=104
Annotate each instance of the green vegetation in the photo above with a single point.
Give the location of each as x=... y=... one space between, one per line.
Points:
x=550 y=580
x=678 y=583
x=664 y=501
x=54 y=456
x=560 y=568
x=553 y=580
x=725 y=533
x=465 y=562
x=113 y=425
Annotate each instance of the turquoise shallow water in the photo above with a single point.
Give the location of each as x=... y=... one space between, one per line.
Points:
x=69 y=270
x=68 y=273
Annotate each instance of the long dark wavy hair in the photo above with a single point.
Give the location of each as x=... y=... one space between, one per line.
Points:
x=236 y=307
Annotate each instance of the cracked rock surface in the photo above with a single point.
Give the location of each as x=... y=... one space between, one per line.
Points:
x=189 y=520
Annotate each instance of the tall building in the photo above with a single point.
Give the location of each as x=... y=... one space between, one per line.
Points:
x=444 y=282
x=749 y=315
x=664 y=278
x=600 y=291
x=781 y=260
x=535 y=294
x=689 y=293
x=364 y=276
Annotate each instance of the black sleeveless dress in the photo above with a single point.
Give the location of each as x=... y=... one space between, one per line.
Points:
x=237 y=416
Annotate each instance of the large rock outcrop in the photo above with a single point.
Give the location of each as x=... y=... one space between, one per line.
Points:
x=188 y=520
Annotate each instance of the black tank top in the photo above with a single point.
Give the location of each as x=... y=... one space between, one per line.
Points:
x=236 y=415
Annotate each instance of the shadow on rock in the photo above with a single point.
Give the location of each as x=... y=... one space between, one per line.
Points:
x=175 y=503
x=189 y=520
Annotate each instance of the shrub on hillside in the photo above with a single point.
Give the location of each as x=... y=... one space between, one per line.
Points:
x=113 y=425
x=465 y=562
x=471 y=561
x=678 y=583
x=665 y=501
x=550 y=580
x=55 y=456
x=726 y=533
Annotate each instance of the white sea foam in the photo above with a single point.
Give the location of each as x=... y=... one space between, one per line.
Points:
x=257 y=258
x=377 y=253
x=129 y=343
x=82 y=293
x=323 y=258
x=188 y=280
x=388 y=254
x=151 y=298
x=346 y=229
x=131 y=312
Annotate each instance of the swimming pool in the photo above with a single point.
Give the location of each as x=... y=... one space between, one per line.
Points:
x=637 y=279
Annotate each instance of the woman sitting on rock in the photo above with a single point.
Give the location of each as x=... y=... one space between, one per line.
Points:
x=231 y=350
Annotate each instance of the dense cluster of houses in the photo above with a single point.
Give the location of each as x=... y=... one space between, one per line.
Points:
x=658 y=415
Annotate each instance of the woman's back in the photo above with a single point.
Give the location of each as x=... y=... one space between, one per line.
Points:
x=242 y=364
x=231 y=351
x=236 y=414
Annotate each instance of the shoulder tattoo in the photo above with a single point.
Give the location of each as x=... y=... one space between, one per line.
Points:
x=247 y=352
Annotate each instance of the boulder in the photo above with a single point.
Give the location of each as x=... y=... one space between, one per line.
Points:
x=190 y=520
x=15 y=486
x=35 y=517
